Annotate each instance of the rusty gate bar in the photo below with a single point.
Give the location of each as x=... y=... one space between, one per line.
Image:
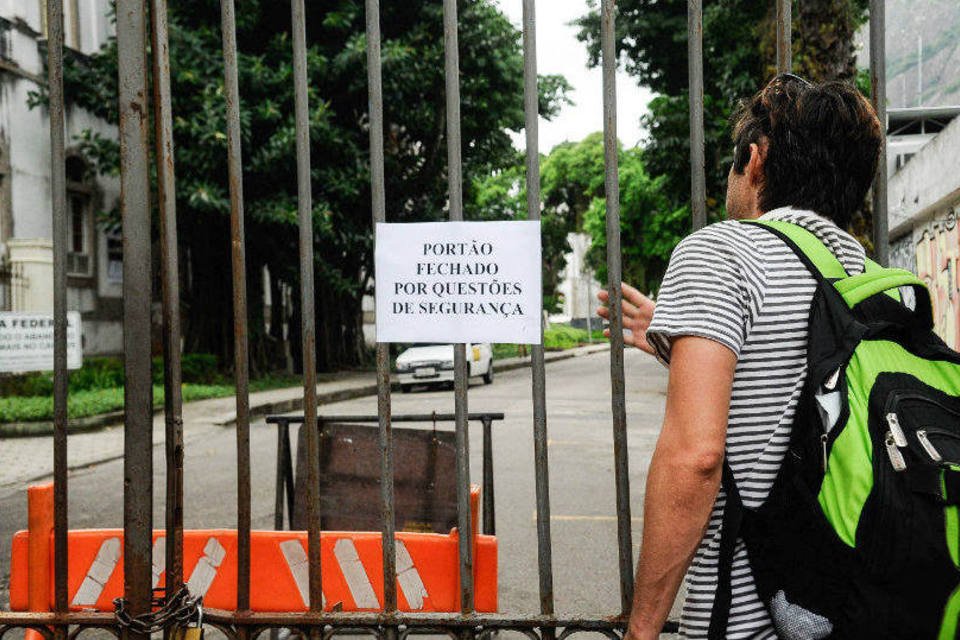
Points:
x=698 y=180
x=169 y=270
x=784 y=36
x=241 y=365
x=378 y=209
x=878 y=92
x=451 y=64
x=58 y=194
x=538 y=372
x=618 y=397
x=308 y=325
x=138 y=385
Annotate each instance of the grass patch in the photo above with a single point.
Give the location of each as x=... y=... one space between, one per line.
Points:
x=558 y=337
x=92 y=402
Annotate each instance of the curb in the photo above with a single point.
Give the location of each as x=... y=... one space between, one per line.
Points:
x=93 y=423
x=76 y=425
x=295 y=404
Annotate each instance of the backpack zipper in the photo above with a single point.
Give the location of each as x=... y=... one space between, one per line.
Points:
x=928 y=446
x=898 y=435
x=893 y=452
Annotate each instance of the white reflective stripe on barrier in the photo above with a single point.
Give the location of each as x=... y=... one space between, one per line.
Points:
x=299 y=566
x=159 y=560
x=206 y=568
x=355 y=574
x=409 y=578
x=102 y=567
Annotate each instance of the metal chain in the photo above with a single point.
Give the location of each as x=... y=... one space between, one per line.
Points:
x=177 y=611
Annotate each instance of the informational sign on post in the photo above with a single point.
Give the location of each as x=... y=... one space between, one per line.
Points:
x=26 y=342
x=459 y=282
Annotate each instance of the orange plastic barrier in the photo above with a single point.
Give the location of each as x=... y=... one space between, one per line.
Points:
x=427 y=567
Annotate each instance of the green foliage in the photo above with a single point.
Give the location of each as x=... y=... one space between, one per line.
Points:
x=649 y=227
x=415 y=148
x=557 y=338
x=92 y=402
x=107 y=373
x=739 y=43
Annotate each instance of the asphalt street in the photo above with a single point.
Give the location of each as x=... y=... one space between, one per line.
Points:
x=581 y=477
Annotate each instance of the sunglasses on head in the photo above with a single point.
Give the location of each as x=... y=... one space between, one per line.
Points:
x=782 y=78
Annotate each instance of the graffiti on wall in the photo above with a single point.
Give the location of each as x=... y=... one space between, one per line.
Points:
x=938 y=260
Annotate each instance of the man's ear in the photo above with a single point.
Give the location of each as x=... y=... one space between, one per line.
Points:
x=754 y=168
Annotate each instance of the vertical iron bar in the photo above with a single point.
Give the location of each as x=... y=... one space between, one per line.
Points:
x=60 y=373
x=878 y=92
x=455 y=185
x=167 y=203
x=288 y=474
x=698 y=181
x=784 y=36
x=138 y=388
x=279 y=486
x=305 y=223
x=378 y=206
x=610 y=143
x=241 y=363
x=489 y=502
x=540 y=454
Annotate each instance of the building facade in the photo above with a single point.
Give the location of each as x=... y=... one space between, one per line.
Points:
x=924 y=207
x=94 y=253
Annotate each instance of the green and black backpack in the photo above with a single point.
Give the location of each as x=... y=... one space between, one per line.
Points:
x=860 y=535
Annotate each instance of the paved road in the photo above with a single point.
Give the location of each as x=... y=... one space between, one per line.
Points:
x=581 y=477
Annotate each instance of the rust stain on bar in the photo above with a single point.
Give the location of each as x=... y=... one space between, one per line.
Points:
x=241 y=363
x=618 y=400
x=305 y=224
x=784 y=36
x=538 y=369
x=451 y=56
x=138 y=388
x=378 y=207
x=170 y=276
x=60 y=372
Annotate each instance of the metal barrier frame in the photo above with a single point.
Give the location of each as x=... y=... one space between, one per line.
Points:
x=135 y=207
x=284 y=487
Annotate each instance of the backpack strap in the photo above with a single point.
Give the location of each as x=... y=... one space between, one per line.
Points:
x=809 y=248
x=729 y=534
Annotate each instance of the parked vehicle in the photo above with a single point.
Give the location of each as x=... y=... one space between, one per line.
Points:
x=431 y=364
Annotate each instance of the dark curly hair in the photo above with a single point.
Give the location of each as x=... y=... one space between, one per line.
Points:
x=823 y=144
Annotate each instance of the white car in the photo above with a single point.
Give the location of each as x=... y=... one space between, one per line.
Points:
x=433 y=364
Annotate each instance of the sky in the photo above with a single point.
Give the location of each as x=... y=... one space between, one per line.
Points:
x=558 y=51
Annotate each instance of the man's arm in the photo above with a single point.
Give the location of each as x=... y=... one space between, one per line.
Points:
x=684 y=476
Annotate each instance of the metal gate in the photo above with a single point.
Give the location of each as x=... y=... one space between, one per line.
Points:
x=132 y=28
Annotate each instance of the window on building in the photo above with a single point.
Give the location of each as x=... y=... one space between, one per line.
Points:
x=71 y=22
x=114 y=257
x=80 y=228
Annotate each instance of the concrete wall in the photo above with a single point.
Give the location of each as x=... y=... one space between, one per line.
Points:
x=928 y=184
x=924 y=205
x=578 y=285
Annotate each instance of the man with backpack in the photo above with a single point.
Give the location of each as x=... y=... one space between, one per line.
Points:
x=782 y=477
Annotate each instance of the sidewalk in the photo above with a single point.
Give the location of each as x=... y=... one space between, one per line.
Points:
x=27 y=459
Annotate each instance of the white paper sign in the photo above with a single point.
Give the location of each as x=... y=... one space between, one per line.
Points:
x=26 y=342
x=459 y=282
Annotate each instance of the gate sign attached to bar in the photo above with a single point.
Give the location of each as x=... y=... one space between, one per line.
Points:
x=459 y=282
x=26 y=342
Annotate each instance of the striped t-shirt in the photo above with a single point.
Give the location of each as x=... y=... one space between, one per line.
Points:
x=743 y=287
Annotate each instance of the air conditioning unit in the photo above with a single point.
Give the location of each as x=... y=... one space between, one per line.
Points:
x=78 y=264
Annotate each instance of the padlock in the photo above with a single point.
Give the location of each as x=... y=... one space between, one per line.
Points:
x=195 y=633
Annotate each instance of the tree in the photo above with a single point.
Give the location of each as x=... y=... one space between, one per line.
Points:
x=415 y=143
x=739 y=42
